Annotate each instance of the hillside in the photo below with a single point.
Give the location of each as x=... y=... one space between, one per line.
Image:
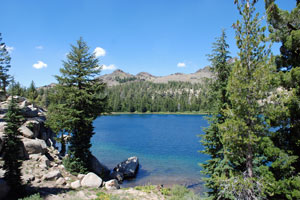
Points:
x=118 y=77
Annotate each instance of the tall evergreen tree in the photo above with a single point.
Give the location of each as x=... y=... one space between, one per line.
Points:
x=218 y=164
x=245 y=130
x=285 y=28
x=4 y=66
x=83 y=101
x=12 y=164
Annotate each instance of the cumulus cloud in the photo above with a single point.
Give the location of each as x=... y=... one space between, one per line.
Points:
x=10 y=49
x=109 y=67
x=39 y=65
x=99 y=52
x=39 y=47
x=181 y=64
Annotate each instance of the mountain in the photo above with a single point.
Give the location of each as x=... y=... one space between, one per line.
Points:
x=118 y=77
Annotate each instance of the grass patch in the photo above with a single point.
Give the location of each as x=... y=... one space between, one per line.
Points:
x=178 y=192
x=33 y=197
x=104 y=196
x=146 y=188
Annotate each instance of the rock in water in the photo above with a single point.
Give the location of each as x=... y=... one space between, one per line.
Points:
x=98 y=168
x=129 y=167
x=91 y=180
x=117 y=175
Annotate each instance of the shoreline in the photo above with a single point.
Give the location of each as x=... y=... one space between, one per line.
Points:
x=156 y=113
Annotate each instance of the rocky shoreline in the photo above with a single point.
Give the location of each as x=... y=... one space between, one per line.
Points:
x=42 y=163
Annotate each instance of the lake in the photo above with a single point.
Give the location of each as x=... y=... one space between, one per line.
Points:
x=167 y=147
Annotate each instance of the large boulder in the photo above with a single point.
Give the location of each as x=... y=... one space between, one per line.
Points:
x=30 y=111
x=98 y=168
x=4 y=189
x=34 y=126
x=26 y=132
x=91 y=180
x=129 y=167
x=34 y=146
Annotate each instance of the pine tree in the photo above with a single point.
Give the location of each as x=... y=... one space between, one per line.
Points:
x=4 y=66
x=32 y=93
x=218 y=165
x=245 y=132
x=285 y=117
x=83 y=102
x=12 y=164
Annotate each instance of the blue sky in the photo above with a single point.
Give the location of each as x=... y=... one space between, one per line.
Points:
x=157 y=36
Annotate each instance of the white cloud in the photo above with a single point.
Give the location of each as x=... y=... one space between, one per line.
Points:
x=99 y=52
x=39 y=65
x=10 y=49
x=39 y=47
x=109 y=67
x=181 y=64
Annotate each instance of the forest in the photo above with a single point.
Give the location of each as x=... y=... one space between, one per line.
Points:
x=253 y=140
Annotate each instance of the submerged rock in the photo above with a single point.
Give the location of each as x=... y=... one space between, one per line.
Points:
x=129 y=167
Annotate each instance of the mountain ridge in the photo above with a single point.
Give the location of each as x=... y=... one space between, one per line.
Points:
x=119 y=76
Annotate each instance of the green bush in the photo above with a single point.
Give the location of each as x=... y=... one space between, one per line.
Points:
x=74 y=165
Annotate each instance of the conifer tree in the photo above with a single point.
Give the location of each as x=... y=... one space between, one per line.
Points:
x=83 y=102
x=285 y=116
x=32 y=92
x=4 y=66
x=217 y=166
x=12 y=164
x=245 y=132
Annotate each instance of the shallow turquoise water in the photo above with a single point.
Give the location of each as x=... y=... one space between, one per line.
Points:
x=166 y=145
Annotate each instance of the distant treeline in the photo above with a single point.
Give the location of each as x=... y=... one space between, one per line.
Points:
x=140 y=96
x=144 y=96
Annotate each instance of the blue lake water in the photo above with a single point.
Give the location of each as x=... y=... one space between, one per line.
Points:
x=167 y=147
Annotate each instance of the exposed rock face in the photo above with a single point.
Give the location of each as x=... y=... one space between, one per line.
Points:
x=98 y=168
x=91 y=180
x=35 y=136
x=112 y=185
x=26 y=132
x=128 y=167
x=197 y=77
x=34 y=146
